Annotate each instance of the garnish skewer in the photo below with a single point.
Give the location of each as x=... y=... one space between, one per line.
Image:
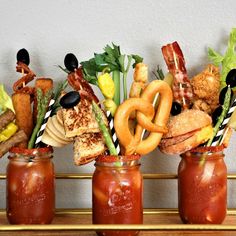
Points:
x=223 y=128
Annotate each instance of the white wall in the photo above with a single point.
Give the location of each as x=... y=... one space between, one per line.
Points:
x=50 y=29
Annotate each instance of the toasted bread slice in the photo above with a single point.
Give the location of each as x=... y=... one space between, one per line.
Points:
x=80 y=119
x=87 y=147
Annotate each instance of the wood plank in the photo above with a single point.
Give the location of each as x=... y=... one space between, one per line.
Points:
x=162 y=219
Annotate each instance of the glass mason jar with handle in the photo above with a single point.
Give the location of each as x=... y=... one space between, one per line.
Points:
x=117 y=193
x=202 y=187
x=30 y=186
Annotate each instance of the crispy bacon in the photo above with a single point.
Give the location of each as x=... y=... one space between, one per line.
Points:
x=77 y=82
x=182 y=90
x=20 y=84
x=20 y=65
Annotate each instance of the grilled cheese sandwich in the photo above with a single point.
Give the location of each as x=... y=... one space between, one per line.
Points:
x=80 y=119
x=87 y=146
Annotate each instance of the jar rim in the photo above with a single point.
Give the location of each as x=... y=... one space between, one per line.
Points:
x=117 y=158
x=32 y=151
x=200 y=156
x=210 y=149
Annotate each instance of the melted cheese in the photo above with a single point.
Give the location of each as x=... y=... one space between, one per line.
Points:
x=205 y=133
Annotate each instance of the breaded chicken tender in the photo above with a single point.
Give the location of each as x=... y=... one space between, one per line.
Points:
x=206 y=89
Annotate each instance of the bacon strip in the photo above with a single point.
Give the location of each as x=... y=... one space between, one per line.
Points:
x=182 y=90
x=20 y=84
x=77 y=82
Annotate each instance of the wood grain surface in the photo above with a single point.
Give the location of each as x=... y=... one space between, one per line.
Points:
x=63 y=219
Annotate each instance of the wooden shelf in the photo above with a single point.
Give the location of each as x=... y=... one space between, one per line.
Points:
x=79 y=224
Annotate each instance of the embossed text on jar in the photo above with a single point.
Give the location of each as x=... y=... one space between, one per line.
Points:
x=202 y=188
x=117 y=195
x=30 y=186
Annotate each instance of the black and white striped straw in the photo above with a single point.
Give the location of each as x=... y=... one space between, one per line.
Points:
x=113 y=132
x=44 y=124
x=224 y=124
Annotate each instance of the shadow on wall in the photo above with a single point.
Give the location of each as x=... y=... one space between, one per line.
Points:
x=157 y=192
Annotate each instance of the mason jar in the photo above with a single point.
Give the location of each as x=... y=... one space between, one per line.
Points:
x=202 y=188
x=117 y=193
x=30 y=187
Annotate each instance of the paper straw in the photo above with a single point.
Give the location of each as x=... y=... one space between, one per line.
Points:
x=113 y=132
x=224 y=135
x=224 y=124
x=44 y=124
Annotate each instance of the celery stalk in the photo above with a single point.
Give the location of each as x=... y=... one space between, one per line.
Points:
x=125 y=86
x=116 y=79
x=125 y=76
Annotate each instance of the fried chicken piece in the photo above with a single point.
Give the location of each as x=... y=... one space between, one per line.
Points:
x=199 y=104
x=206 y=89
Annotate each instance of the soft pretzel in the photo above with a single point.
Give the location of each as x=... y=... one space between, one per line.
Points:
x=145 y=113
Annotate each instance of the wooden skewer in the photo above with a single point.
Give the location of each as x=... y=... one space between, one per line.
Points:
x=23 y=73
x=154 y=104
x=183 y=98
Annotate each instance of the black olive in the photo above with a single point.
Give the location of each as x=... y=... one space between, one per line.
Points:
x=216 y=113
x=71 y=62
x=23 y=56
x=176 y=108
x=70 y=99
x=231 y=78
x=222 y=95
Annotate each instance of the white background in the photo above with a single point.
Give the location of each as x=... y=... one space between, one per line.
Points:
x=50 y=29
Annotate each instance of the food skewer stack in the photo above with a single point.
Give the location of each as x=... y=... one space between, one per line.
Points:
x=29 y=120
x=116 y=127
x=84 y=121
x=209 y=96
